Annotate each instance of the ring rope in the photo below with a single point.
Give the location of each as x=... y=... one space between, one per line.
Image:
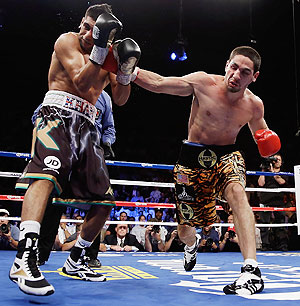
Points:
x=170 y=167
x=156 y=205
x=144 y=165
x=161 y=184
x=158 y=223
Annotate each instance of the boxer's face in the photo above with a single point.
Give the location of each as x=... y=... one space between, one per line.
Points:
x=239 y=73
x=85 y=33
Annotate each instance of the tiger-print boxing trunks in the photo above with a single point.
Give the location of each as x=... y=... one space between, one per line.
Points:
x=66 y=151
x=201 y=175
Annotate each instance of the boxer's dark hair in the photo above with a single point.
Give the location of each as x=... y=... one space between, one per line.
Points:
x=95 y=10
x=248 y=52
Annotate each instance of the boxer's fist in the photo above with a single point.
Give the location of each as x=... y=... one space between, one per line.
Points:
x=127 y=52
x=107 y=26
x=268 y=142
x=105 y=29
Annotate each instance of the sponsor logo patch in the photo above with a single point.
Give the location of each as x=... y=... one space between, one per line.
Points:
x=52 y=162
x=186 y=211
x=207 y=158
x=185 y=193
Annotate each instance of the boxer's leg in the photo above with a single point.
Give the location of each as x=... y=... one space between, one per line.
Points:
x=244 y=222
x=231 y=187
x=49 y=228
x=195 y=206
x=187 y=234
x=92 y=253
x=25 y=271
x=89 y=178
x=92 y=226
x=250 y=280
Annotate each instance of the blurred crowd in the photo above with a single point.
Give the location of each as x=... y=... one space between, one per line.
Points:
x=163 y=238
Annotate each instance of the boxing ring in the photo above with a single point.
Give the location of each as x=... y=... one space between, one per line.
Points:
x=148 y=278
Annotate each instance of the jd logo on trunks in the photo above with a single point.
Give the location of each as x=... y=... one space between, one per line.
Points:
x=185 y=193
x=207 y=158
x=52 y=162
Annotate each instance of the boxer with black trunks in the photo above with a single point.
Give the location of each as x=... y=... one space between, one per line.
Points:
x=53 y=213
x=210 y=166
x=67 y=160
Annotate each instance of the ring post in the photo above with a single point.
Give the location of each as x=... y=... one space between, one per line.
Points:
x=297 y=193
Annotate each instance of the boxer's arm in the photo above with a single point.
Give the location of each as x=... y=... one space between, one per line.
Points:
x=257 y=122
x=268 y=142
x=82 y=74
x=180 y=86
x=120 y=93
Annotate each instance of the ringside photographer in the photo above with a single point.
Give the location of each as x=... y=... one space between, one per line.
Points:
x=275 y=238
x=209 y=240
x=9 y=234
x=229 y=241
x=154 y=241
x=173 y=242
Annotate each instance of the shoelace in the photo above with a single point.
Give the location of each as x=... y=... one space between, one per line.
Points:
x=32 y=263
x=86 y=266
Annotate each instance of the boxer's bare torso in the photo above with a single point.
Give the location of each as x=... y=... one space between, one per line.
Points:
x=215 y=118
x=62 y=67
x=221 y=105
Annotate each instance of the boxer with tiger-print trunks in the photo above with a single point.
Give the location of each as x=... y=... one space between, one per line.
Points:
x=201 y=175
x=221 y=106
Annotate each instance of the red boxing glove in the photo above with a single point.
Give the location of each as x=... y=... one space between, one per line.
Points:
x=110 y=64
x=268 y=142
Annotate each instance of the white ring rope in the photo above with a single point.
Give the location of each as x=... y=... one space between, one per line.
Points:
x=157 y=223
x=161 y=184
x=295 y=190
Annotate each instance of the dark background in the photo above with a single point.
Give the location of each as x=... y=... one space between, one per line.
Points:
x=150 y=126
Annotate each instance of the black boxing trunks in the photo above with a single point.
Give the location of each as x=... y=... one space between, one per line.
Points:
x=201 y=175
x=66 y=151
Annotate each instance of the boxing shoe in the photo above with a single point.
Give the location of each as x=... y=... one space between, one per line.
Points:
x=25 y=271
x=94 y=263
x=248 y=283
x=190 y=255
x=76 y=265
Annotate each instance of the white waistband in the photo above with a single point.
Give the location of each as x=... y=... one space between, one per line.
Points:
x=69 y=102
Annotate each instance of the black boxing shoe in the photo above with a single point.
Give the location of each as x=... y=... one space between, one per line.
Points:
x=76 y=265
x=248 y=283
x=94 y=263
x=190 y=255
x=25 y=271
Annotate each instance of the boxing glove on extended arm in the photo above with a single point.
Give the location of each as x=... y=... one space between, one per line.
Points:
x=107 y=26
x=127 y=52
x=268 y=142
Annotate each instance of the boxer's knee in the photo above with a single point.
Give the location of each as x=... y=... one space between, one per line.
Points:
x=235 y=194
x=186 y=233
